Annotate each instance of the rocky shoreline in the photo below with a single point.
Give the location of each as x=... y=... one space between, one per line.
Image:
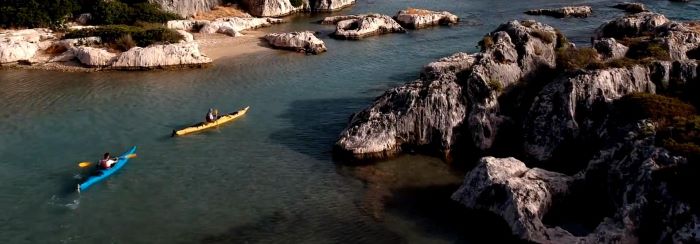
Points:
x=531 y=94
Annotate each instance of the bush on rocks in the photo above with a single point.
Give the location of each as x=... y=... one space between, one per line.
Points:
x=140 y=36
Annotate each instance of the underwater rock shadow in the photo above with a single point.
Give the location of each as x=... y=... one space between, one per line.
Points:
x=316 y=124
x=282 y=226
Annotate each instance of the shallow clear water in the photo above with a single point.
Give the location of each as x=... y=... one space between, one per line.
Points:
x=268 y=176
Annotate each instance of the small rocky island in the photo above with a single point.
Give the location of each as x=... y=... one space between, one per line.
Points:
x=422 y=18
x=356 y=27
x=304 y=41
x=555 y=135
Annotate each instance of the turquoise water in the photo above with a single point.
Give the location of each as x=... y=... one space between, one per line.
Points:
x=267 y=177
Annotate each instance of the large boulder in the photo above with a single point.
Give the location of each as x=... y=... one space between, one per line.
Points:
x=366 y=25
x=298 y=41
x=638 y=24
x=162 y=56
x=557 y=113
x=563 y=12
x=187 y=8
x=520 y=195
x=234 y=25
x=681 y=39
x=421 y=18
x=422 y=113
x=13 y=51
x=93 y=57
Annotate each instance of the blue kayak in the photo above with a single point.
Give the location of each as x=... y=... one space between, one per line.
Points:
x=104 y=173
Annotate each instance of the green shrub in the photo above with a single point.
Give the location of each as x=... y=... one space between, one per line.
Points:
x=142 y=37
x=495 y=84
x=545 y=36
x=36 y=13
x=575 y=58
x=296 y=3
x=662 y=109
x=125 y=42
x=486 y=43
x=615 y=63
x=641 y=48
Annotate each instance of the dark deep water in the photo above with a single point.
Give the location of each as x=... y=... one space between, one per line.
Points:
x=268 y=177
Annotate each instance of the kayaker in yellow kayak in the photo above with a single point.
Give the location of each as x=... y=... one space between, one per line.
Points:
x=212 y=115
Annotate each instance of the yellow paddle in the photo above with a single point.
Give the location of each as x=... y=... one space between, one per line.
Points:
x=86 y=164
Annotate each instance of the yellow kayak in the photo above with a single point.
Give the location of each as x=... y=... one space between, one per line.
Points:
x=204 y=125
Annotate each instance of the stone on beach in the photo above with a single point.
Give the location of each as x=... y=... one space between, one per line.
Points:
x=421 y=18
x=161 y=56
x=298 y=41
x=234 y=25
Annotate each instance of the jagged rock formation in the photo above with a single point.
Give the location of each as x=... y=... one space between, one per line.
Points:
x=609 y=48
x=187 y=25
x=297 y=41
x=681 y=39
x=631 y=7
x=187 y=8
x=160 y=56
x=278 y=8
x=563 y=12
x=366 y=25
x=234 y=25
x=521 y=196
x=421 y=18
x=555 y=115
x=427 y=112
x=94 y=57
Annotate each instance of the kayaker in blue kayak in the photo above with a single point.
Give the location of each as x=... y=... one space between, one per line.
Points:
x=107 y=162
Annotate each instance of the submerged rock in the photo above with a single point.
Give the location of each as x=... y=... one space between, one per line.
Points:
x=631 y=7
x=298 y=41
x=234 y=25
x=366 y=25
x=162 y=56
x=563 y=12
x=421 y=18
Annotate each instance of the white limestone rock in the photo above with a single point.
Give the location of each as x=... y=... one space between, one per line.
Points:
x=366 y=25
x=161 y=56
x=421 y=18
x=94 y=57
x=298 y=41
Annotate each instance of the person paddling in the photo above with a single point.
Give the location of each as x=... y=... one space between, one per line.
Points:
x=211 y=116
x=107 y=162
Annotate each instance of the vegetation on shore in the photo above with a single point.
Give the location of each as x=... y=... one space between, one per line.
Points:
x=55 y=13
x=124 y=37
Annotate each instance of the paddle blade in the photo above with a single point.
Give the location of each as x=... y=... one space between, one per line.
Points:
x=133 y=155
x=84 y=164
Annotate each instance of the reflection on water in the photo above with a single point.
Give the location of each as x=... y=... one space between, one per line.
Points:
x=268 y=176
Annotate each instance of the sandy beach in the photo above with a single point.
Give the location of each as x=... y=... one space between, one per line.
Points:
x=217 y=46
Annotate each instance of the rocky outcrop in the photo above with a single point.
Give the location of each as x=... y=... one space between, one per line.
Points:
x=332 y=20
x=428 y=112
x=94 y=57
x=521 y=196
x=631 y=7
x=297 y=41
x=161 y=56
x=366 y=25
x=681 y=39
x=187 y=25
x=187 y=8
x=556 y=113
x=609 y=48
x=278 y=8
x=234 y=25
x=570 y=11
x=22 y=45
x=421 y=18
x=632 y=25
x=186 y=36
